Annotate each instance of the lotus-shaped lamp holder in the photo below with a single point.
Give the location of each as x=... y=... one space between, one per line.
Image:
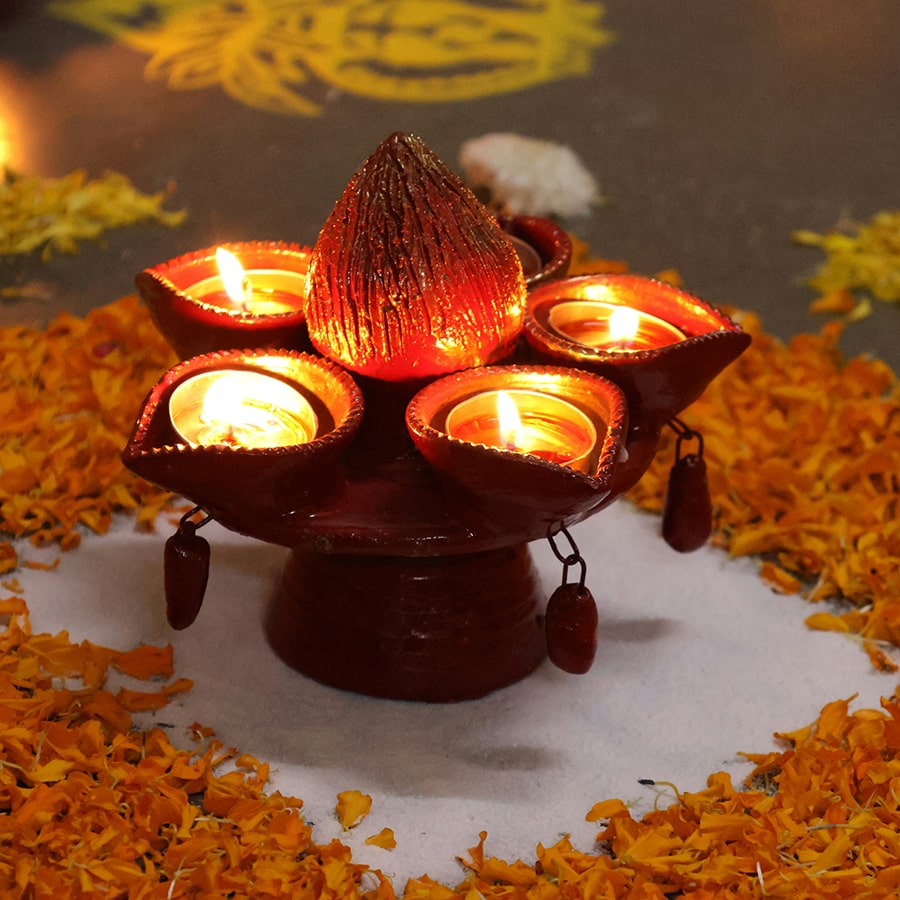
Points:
x=410 y=510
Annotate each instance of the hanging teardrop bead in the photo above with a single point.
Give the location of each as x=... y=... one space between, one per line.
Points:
x=571 y=628
x=687 y=509
x=186 y=571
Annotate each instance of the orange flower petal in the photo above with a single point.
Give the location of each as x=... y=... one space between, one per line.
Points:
x=352 y=807
x=384 y=839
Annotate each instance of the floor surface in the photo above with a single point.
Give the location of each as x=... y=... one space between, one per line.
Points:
x=713 y=131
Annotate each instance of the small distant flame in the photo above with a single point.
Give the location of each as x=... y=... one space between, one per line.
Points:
x=509 y=422
x=234 y=278
x=623 y=325
x=6 y=141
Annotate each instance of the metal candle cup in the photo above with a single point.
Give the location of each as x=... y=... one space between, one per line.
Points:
x=543 y=425
x=593 y=324
x=273 y=291
x=241 y=408
x=257 y=292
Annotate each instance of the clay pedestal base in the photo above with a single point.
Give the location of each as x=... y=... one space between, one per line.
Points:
x=436 y=629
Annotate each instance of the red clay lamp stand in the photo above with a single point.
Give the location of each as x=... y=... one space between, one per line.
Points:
x=406 y=417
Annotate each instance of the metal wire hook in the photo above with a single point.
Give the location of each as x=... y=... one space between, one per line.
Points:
x=685 y=433
x=186 y=522
x=570 y=559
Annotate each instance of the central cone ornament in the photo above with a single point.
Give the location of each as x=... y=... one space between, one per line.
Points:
x=411 y=277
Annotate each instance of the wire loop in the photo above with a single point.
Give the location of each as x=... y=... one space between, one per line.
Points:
x=685 y=433
x=572 y=558
x=187 y=519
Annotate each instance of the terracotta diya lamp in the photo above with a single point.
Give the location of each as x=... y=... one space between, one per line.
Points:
x=523 y=446
x=660 y=344
x=543 y=247
x=223 y=298
x=410 y=575
x=244 y=430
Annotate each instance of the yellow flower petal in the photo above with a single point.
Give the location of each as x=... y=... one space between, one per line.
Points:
x=352 y=807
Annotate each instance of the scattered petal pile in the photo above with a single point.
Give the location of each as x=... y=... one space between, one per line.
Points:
x=57 y=213
x=804 y=449
x=803 y=453
x=69 y=396
x=824 y=822
x=867 y=260
x=92 y=807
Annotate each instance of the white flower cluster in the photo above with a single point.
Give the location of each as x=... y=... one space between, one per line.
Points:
x=527 y=176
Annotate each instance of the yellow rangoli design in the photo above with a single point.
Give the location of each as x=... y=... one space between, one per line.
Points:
x=271 y=53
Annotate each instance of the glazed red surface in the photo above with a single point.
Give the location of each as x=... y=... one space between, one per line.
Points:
x=410 y=575
x=658 y=383
x=410 y=276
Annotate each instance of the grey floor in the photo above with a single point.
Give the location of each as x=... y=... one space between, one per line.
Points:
x=715 y=130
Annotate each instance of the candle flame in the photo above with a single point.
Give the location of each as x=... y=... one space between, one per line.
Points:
x=234 y=278
x=623 y=324
x=221 y=404
x=245 y=411
x=509 y=422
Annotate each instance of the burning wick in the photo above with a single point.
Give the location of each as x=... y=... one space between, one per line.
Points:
x=268 y=292
x=215 y=425
x=509 y=423
x=528 y=422
x=241 y=408
x=612 y=327
x=235 y=280
x=623 y=326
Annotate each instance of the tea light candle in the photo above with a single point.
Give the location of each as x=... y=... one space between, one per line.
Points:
x=528 y=256
x=525 y=421
x=241 y=408
x=611 y=327
x=254 y=291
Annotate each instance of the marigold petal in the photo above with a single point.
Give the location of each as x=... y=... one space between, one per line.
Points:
x=145 y=662
x=384 y=839
x=352 y=807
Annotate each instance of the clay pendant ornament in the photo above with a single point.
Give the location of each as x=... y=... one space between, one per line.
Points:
x=687 y=509
x=411 y=277
x=185 y=573
x=571 y=628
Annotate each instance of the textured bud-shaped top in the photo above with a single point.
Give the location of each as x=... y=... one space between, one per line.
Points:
x=411 y=276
